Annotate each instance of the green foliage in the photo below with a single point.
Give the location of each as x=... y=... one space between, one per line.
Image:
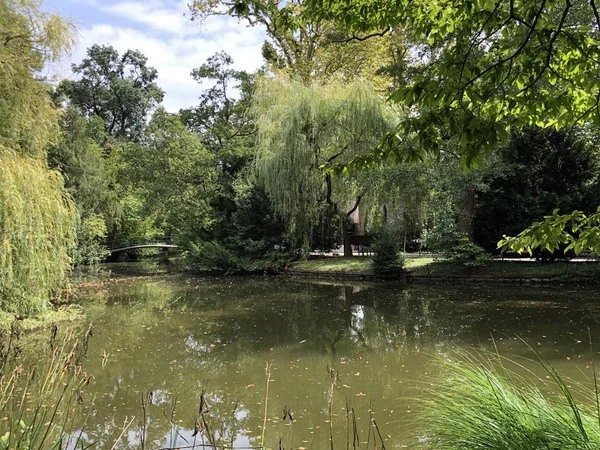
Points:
x=302 y=131
x=537 y=171
x=222 y=121
x=212 y=256
x=477 y=404
x=90 y=169
x=91 y=234
x=388 y=261
x=255 y=230
x=29 y=37
x=37 y=231
x=224 y=125
x=121 y=90
x=172 y=175
x=491 y=66
x=467 y=253
x=575 y=231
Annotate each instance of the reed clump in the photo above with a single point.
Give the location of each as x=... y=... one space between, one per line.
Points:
x=479 y=403
x=41 y=405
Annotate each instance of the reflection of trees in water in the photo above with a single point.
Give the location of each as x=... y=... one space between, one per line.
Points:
x=177 y=335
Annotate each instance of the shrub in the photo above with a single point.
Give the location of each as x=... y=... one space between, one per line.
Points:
x=210 y=255
x=468 y=253
x=388 y=259
x=90 y=236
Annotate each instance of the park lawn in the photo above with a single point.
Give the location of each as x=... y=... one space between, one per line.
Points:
x=518 y=270
x=356 y=264
x=336 y=264
x=435 y=268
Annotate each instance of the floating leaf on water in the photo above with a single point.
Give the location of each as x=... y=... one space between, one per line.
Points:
x=346 y=386
x=250 y=386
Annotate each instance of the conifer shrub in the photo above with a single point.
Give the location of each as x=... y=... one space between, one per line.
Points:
x=388 y=260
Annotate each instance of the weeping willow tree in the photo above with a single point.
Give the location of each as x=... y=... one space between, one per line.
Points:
x=37 y=218
x=37 y=229
x=302 y=131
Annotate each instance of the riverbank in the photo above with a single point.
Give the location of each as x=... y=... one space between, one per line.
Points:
x=430 y=270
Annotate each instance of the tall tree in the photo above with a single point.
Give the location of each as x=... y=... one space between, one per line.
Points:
x=310 y=51
x=222 y=120
x=174 y=175
x=29 y=38
x=303 y=130
x=37 y=218
x=119 y=89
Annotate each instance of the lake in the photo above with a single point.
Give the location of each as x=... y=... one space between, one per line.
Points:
x=178 y=336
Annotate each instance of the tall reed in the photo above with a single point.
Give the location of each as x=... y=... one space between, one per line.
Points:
x=42 y=405
x=478 y=403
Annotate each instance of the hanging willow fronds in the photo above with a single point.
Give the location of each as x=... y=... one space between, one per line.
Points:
x=37 y=230
x=302 y=130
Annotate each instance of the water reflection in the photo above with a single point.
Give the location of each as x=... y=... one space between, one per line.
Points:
x=176 y=336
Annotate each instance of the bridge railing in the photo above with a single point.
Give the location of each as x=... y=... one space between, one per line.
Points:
x=168 y=240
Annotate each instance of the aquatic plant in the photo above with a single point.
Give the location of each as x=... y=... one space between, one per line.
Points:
x=478 y=403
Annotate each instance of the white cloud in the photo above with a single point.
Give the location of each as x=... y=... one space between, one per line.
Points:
x=173 y=44
x=154 y=14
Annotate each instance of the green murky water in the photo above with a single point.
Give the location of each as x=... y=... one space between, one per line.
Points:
x=177 y=335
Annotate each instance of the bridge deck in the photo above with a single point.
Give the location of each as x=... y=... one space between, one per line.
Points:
x=133 y=247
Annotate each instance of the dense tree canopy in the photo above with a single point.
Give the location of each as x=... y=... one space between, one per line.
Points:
x=120 y=89
x=490 y=65
x=534 y=172
x=303 y=130
x=174 y=175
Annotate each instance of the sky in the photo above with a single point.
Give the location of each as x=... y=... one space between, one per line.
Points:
x=173 y=43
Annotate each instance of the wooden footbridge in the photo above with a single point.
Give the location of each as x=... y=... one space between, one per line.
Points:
x=163 y=242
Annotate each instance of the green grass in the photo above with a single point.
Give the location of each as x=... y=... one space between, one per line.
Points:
x=516 y=270
x=480 y=404
x=359 y=265
x=336 y=264
x=434 y=268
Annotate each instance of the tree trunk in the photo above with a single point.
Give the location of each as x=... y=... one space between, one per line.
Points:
x=347 y=245
x=467 y=212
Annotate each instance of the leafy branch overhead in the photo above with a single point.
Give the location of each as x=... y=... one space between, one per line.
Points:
x=575 y=231
x=490 y=66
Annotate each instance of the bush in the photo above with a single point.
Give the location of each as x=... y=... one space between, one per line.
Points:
x=90 y=236
x=388 y=259
x=468 y=253
x=456 y=246
x=210 y=255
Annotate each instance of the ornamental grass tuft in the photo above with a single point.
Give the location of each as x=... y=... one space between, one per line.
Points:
x=479 y=403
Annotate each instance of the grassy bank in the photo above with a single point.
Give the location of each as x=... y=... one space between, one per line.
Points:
x=358 y=265
x=420 y=268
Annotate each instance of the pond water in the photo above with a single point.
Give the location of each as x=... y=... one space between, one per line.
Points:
x=177 y=335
